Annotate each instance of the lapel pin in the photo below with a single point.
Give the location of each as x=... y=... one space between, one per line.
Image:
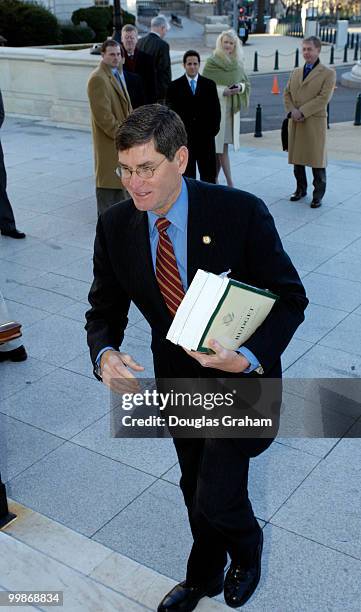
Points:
x=206 y=240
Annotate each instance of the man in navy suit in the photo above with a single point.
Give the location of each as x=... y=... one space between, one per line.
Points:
x=195 y=100
x=138 y=62
x=192 y=225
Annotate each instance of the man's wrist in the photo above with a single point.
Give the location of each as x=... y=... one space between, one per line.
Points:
x=98 y=361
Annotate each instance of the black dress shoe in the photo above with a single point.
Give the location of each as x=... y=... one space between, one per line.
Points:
x=297 y=195
x=18 y=354
x=14 y=233
x=184 y=598
x=240 y=582
x=316 y=203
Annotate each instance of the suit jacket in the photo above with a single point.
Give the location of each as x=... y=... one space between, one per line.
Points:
x=243 y=239
x=144 y=67
x=109 y=108
x=307 y=139
x=158 y=49
x=200 y=112
x=135 y=88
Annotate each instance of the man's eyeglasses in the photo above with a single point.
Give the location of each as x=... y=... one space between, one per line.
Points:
x=144 y=172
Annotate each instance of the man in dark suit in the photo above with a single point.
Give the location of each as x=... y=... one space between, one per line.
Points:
x=138 y=62
x=135 y=88
x=148 y=251
x=7 y=219
x=154 y=45
x=195 y=99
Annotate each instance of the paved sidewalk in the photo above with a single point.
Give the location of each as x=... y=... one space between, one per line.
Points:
x=124 y=495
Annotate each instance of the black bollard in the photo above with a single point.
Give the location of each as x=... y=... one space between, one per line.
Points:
x=358 y=110
x=258 y=126
x=348 y=39
x=332 y=54
x=297 y=58
x=345 y=55
x=352 y=40
x=255 y=64
x=276 y=61
x=5 y=515
x=355 y=55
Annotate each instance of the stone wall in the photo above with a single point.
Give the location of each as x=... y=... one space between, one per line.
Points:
x=51 y=84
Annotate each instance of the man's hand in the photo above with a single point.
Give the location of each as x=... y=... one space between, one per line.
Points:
x=296 y=115
x=116 y=371
x=223 y=359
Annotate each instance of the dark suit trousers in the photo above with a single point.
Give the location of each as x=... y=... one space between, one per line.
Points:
x=319 y=180
x=203 y=155
x=214 y=484
x=7 y=221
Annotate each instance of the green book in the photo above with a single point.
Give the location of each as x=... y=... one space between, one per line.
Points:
x=219 y=308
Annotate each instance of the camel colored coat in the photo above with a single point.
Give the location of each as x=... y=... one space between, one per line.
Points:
x=109 y=108
x=307 y=139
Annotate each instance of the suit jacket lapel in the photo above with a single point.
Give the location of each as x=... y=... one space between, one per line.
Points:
x=186 y=86
x=114 y=83
x=200 y=233
x=313 y=74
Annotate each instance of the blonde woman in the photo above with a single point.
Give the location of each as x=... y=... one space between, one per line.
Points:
x=225 y=68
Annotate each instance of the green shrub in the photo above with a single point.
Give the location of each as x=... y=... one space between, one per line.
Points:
x=72 y=34
x=100 y=19
x=27 y=24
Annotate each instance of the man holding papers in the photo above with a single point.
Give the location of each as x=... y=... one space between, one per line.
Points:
x=148 y=251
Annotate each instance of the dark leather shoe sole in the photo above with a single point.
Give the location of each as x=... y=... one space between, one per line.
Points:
x=316 y=204
x=252 y=587
x=18 y=354
x=297 y=196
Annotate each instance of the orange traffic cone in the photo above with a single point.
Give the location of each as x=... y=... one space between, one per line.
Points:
x=275 y=89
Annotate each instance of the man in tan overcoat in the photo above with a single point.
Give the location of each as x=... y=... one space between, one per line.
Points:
x=306 y=96
x=110 y=105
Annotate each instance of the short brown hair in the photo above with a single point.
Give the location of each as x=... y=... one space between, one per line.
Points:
x=152 y=122
x=109 y=42
x=314 y=40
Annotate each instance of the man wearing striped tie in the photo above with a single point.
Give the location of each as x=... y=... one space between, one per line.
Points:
x=147 y=250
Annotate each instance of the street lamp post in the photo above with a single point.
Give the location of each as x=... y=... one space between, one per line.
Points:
x=117 y=21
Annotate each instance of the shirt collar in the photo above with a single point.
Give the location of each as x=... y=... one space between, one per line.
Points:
x=177 y=215
x=192 y=78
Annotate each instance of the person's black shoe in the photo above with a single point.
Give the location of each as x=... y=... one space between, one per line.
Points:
x=14 y=233
x=183 y=598
x=240 y=582
x=18 y=354
x=316 y=203
x=298 y=195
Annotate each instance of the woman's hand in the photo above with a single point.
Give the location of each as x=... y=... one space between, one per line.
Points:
x=230 y=91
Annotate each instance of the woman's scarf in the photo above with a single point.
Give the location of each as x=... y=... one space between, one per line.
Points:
x=225 y=70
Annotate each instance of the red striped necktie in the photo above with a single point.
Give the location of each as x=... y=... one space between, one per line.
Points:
x=166 y=271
